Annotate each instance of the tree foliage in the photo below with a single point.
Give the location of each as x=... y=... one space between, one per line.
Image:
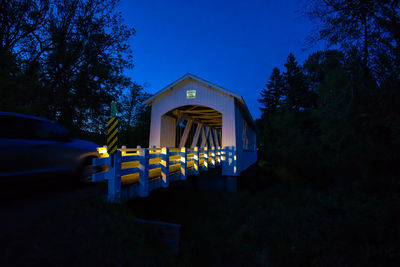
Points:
x=65 y=60
x=272 y=93
x=341 y=118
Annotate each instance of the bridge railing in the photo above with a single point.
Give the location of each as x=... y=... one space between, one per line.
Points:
x=133 y=172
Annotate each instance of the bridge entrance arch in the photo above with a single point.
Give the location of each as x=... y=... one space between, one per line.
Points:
x=194 y=112
x=191 y=126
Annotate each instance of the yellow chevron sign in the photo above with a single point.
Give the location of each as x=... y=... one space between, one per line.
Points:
x=112 y=135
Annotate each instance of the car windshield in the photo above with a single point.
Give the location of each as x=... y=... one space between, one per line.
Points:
x=50 y=131
x=26 y=128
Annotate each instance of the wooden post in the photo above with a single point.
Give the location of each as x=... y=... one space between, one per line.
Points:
x=196 y=135
x=212 y=157
x=114 y=177
x=165 y=167
x=204 y=136
x=144 y=172
x=215 y=132
x=210 y=137
x=217 y=161
x=196 y=160
x=123 y=150
x=183 y=163
x=185 y=133
x=206 y=159
x=235 y=170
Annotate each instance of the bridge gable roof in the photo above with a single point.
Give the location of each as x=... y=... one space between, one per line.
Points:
x=238 y=99
x=190 y=76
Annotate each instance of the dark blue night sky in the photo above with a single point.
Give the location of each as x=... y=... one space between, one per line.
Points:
x=234 y=44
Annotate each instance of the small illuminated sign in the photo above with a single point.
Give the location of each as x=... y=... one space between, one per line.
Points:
x=190 y=94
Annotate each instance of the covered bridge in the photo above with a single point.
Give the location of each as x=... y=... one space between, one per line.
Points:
x=192 y=112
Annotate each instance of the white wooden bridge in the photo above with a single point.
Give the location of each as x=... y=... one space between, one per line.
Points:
x=135 y=172
x=195 y=125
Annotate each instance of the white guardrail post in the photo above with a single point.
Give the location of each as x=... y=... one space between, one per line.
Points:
x=144 y=172
x=114 y=177
x=196 y=160
x=165 y=167
x=183 y=163
x=205 y=159
x=213 y=157
x=219 y=159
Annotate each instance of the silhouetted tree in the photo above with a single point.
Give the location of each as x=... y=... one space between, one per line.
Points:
x=272 y=93
x=296 y=90
x=65 y=56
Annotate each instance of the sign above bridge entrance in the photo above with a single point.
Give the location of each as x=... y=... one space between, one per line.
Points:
x=190 y=94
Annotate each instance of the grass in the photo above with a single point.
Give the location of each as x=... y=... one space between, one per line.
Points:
x=269 y=222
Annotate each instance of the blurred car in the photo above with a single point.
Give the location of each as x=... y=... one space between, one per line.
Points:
x=35 y=146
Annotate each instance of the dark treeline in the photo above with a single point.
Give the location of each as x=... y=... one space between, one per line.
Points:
x=65 y=60
x=338 y=115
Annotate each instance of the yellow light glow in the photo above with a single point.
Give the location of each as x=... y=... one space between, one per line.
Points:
x=234 y=158
x=175 y=157
x=102 y=150
x=190 y=164
x=154 y=160
x=131 y=164
x=130 y=178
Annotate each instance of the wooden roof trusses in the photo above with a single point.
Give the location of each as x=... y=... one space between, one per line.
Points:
x=199 y=114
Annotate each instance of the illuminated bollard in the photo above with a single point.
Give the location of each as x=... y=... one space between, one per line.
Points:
x=165 y=167
x=183 y=163
x=205 y=159
x=144 y=172
x=218 y=156
x=212 y=157
x=114 y=177
x=196 y=160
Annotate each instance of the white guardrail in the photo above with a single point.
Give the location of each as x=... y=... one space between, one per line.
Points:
x=133 y=172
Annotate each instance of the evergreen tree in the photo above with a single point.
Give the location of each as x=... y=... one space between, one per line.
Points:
x=272 y=93
x=296 y=90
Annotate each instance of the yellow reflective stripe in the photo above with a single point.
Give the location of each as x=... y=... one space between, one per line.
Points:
x=110 y=128
x=111 y=121
x=112 y=136
x=113 y=142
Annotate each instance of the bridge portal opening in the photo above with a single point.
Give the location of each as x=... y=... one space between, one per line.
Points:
x=190 y=126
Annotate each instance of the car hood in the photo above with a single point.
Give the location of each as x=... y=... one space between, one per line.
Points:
x=83 y=145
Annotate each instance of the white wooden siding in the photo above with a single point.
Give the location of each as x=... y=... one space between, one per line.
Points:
x=205 y=96
x=246 y=157
x=162 y=130
x=168 y=128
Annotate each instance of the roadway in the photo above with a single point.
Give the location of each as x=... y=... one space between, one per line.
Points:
x=21 y=205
